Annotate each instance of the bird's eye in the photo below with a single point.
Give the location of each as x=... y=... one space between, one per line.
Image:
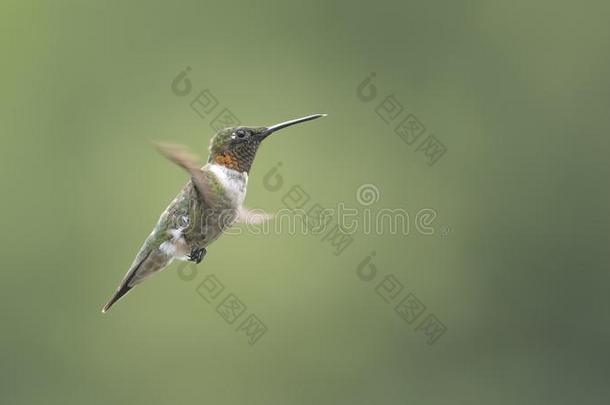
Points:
x=240 y=133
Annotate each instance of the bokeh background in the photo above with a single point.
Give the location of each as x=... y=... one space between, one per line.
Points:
x=517 y=269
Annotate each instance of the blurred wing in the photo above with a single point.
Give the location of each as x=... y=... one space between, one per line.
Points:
x=181 y=156
x=255 y=216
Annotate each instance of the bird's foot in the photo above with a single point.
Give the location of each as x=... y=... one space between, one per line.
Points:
x=197 y=255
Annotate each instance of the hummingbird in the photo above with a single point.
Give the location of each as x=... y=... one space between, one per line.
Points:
x=210 y=202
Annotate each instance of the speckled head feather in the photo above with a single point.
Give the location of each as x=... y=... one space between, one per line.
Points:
x=235 y=148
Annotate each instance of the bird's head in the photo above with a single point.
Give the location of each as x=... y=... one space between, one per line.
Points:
x=236 y=147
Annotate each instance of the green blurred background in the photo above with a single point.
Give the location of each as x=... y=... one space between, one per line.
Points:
x=517 y=270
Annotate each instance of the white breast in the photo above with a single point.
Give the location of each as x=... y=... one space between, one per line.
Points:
x=233 y=182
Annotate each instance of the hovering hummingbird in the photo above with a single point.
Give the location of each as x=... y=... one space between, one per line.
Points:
x=209 y=203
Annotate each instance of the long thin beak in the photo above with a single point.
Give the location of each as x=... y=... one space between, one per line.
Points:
x=285 y=124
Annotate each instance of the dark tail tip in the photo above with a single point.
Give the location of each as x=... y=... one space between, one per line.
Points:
x=117 y=296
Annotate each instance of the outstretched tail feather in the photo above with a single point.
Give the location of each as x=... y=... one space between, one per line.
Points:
x=124 y=287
